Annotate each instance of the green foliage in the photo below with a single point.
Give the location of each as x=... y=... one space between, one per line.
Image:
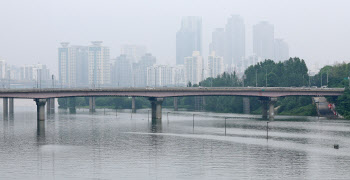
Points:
x=292 y=72
x=337 y=76
x=296 y=105
x=343 y=104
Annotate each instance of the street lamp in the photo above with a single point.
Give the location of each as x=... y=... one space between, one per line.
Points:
x=256 y=78
x=266 y=77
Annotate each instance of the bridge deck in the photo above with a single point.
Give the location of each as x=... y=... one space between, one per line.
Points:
x=172 y=92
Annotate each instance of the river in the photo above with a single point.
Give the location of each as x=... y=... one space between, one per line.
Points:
x=107 y=145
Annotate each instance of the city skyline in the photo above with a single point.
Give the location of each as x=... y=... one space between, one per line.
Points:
x=316 y=35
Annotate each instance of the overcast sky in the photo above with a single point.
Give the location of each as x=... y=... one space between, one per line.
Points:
x=31 y=30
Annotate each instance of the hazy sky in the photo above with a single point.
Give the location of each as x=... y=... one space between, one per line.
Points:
x=31 y=30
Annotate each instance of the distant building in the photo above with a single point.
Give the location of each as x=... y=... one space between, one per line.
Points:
x=140 y=69
x=218 y=42
x=161 y=76
x=281 y=50
x=180 y=76
x=73 y=65
x=194 y=71
x=234 y=40
x=133 y=51
x=263 y=40
x=2 y=68
x=215 y=65
x=123 y=71
x=188 y=38
x=27 y=72
x=98 y=64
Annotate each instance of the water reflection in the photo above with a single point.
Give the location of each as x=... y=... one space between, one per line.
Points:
x=103 y=146
x=156 y=126
x=40 y=135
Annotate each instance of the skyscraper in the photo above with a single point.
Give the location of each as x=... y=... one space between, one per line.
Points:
x=194 y=71
x=188 y=38
x=263 y=40
x=218 y=42
x=281 y=50
x=234 y=40
x=99 y=66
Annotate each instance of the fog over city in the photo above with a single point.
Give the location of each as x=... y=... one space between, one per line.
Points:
x=31 y=31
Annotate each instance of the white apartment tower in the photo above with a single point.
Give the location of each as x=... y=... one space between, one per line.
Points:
x=194 y=68
x=215 y=65
x=98 y=64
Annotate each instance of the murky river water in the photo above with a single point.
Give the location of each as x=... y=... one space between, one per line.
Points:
x=106 y=146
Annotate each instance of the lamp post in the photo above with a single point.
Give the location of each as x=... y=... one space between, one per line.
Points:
x=256 y=78
x=266 y=77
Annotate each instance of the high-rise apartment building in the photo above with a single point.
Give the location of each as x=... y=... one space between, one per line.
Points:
x=98 y=64
x=281 y=50
x=161 y=76
x=73 y=65
x=194 y=71
x=234 y=40
x=188 y=38
x=215 y=65
x=263 y=40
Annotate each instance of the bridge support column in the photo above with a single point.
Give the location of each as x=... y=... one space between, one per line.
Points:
x=133 y=106
x=92 y=104
x=52 y=105
x=71 y=105
x=175 y=104
x=156 y=109
x=11 y=107
x=5 y=108
x=48 y=106
x=272 y=108
x=246 y=105
x=264 y=101
x=40 y=109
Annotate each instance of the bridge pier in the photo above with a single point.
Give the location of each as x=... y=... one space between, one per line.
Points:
x=48 y=106
x=11 y=107
x=71 y=105
x=156 y=109
x=272 y=108
x=133 y=106
x=246 y=105
x=5 y=107
x=264 y=101
x=175 y=104
x=92 y=104
x=40 y=109
x=52 y=105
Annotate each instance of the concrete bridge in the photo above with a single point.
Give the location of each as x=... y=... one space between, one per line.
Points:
x=268 y=96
